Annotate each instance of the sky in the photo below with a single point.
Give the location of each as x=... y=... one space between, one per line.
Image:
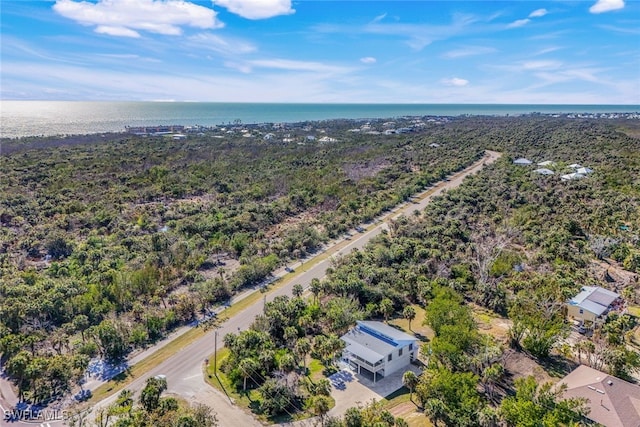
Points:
x=486 y=52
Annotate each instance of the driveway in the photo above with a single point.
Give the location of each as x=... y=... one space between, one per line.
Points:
x=360 y=390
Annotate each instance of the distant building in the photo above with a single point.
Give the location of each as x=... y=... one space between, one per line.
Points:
x=544 y=171
x=522 y=161
x=584 y=171
x=547 y=163
x=377 y=349
x=575 y=166
x=612 y=402
x=592 y=304
x=327 y=139
x=572 y=176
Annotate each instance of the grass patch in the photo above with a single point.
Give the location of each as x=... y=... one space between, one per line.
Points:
x=400 y=405
x=401 y=395
x=423 y=332
x=634 y=310
x=315 y=368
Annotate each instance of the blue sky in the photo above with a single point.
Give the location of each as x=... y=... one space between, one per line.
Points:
x=512 y=52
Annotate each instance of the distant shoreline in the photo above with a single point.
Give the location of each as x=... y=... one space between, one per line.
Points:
x=57 y=118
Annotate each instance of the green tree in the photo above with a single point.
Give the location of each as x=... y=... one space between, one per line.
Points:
x=456 y=390
x=409 y=313
x=247 y=367
x=386 y=308
x=410 y=381
x=302 y=348
x=320 y=405
x=297 y=290
x=150 y=394
x=534 y=406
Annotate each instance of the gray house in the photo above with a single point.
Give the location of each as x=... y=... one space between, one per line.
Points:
x=376 y=349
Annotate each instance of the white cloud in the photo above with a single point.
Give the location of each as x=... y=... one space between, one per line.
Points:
x=468 y=51
x=125 y=18
x=116 y=31
x=538 y=13
x=455 y=81
x=540 y=65
x=292 y=65
x=519 y=23
x=602 y=6
x=379 y=18
x=223 y=45
x=623 y=30
x=368 y=60
x=257 y=9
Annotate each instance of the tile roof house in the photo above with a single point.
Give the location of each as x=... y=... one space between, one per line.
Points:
x=612 y=402
x=377 y=349
x=592 y=304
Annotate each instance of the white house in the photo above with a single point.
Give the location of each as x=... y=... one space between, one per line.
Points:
x=572 y=176
x=522 y=161
x=584 y=171
x=547 y=163
x=592 y=304
x=377 y=349
x=544 y=171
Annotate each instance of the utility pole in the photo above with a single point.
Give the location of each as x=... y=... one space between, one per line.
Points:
x=215 y=353
x=264 y=304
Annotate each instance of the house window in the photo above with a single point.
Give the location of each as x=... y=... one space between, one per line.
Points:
x=390 y=357
x=400 y=352
x=410 y=346
x=581 y=311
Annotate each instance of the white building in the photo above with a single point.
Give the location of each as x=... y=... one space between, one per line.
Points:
x=377 y=349
x=522 y=161
x=547 y=163
x=544 y=171
x=572 y=176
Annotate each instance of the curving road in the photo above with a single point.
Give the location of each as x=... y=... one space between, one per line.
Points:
x=184 y=369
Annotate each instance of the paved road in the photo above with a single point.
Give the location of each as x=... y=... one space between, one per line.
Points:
x=184 y=370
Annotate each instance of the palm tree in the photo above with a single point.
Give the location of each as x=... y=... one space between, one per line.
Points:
x=321 y=405
x=302 y=348
x=247 y=367
x=436 y=410
x=410 y=381
x=316 y=288
x=490 y=377
x=488 y=417
x=297 y=290
x=409 y=313
x=386 y=308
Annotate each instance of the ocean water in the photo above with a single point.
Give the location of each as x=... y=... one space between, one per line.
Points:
x=33 y=118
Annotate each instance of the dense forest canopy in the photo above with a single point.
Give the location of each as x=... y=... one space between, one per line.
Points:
x=108 y=245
